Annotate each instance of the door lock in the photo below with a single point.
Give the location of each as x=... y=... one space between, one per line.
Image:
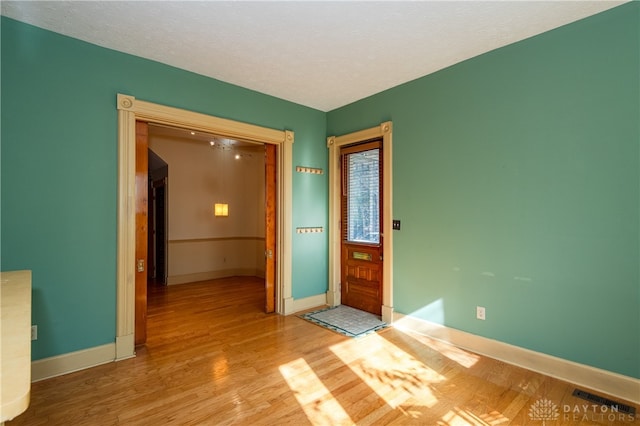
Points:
x=140 y=266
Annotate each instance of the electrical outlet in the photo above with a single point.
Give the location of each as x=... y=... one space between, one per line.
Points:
x=34 y=332
x=480 y=313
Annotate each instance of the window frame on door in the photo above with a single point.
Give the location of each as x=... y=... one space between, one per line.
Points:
x=384 y=131
x=347 y=225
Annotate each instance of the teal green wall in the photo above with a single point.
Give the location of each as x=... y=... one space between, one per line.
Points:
x=59 y=173
x=516 y=177
x=311 y=209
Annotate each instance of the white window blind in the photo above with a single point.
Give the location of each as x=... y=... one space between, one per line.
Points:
x=363 y=199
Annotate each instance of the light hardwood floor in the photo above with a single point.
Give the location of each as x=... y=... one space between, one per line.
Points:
x=214 y=358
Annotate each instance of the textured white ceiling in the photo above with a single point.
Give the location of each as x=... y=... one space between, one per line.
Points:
x=321 y=54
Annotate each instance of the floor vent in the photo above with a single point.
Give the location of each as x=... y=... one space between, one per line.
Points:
x=622 y=408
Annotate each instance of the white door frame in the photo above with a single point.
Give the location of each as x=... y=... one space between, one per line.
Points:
x=334 y=143
x=131 y=109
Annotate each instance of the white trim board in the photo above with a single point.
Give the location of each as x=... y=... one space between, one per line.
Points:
x=618 y=385
x=317 y=301
x=385 y=132
x=73 y=361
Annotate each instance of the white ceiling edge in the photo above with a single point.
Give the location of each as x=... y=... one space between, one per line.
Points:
x=321 y=54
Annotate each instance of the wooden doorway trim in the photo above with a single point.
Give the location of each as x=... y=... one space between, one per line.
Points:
x=142 y=235
x=334 y=143
x=131 y=109
x=270 y=227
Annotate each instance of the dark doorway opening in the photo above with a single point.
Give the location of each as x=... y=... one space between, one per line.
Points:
x=157 y=255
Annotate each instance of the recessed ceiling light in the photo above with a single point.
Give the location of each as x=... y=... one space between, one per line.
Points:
x=193 y=133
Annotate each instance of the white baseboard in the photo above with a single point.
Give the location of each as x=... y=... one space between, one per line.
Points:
x=387 y=314
x=309 y=302
x=212 y=275
x=333 y=298
x=67 y=363
x=287 y=306
x=614 y=384
x=125 y=347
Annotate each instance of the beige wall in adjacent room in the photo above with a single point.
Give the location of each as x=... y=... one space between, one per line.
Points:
x=200 y=245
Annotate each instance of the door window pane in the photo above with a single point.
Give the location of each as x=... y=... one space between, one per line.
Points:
x=363 y=198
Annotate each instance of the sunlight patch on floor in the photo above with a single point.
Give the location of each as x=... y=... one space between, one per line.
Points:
x=220 y=368
x=462 y=418
x=315 y=399
x=396 y=376
x=495 y=418
x=460 y=356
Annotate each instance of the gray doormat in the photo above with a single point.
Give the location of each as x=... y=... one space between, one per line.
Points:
x=346 y=320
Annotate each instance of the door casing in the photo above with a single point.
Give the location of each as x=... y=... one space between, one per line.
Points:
x=383 y=131
x=131 y=109
x=270 y=227
x=142 y=231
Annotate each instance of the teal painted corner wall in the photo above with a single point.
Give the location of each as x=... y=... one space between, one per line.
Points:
x=59 y=172
x=517 y=180
x=311 y=210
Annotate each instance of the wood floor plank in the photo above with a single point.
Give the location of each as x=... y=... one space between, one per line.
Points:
x=213 y=357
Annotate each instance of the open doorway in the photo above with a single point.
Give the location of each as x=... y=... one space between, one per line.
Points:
x=130 y=110
x=157 y=220
x=188 y=239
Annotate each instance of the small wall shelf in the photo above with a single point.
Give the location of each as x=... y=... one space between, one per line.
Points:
x=309 y=230
x=311 y=170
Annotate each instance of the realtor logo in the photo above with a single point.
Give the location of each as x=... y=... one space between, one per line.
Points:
x=607 y=411
x=544 y=410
